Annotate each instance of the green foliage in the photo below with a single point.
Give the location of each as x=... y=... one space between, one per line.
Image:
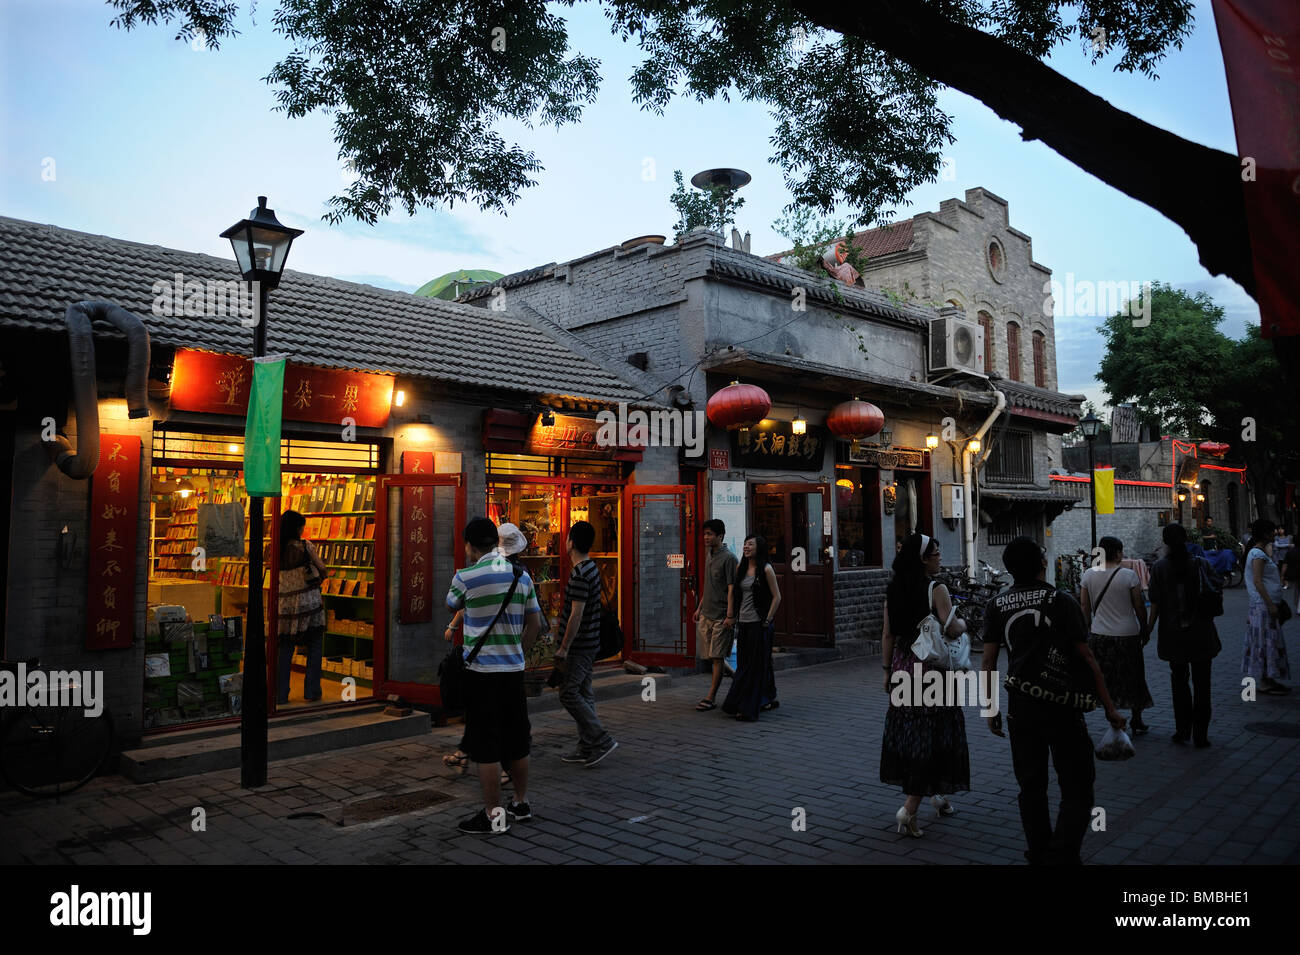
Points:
x=1075 y=437
x=714 y=209
x=419 y=90
x=810 y=237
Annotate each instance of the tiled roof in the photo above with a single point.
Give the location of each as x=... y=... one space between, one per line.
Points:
x=314 y=319
x=882 y=240
x=1021 y=395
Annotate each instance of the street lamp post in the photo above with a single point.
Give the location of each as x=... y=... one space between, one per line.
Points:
x=261 y=244
x=1090 y=425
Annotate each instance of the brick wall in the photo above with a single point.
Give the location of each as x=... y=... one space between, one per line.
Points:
x=860 y=603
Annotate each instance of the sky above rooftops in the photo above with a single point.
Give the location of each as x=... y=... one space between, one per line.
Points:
x=155 y=141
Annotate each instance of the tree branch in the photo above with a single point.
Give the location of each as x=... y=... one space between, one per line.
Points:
x=1197 y=187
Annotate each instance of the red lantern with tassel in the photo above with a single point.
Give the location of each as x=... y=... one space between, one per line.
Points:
x=855 y=419
x=738 y=406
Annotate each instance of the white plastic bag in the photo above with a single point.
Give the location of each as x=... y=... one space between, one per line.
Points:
x=1115 y=745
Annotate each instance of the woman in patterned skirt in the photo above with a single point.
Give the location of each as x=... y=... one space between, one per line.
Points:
x=302 y=614
x=1265 y=649
x=1116 y=614
x=924 y=749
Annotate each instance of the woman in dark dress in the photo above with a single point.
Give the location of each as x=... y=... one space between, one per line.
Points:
x=757 y=595
x=924 y=750
x=302 y=615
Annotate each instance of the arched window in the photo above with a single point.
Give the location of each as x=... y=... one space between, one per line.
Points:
x=1040 y=359
x=986 y=323
x=1013 y=351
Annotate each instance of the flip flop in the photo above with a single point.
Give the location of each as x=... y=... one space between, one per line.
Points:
x=455 y=760
x=705 y=705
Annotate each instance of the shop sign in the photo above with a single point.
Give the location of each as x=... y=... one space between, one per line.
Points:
x=719 y=459
x=220 y=384
x=888 y=458
x=728 y=506
x=114 y=520
x=416 y=591
x=773 y=444
x=568 y=436
x=676 y=561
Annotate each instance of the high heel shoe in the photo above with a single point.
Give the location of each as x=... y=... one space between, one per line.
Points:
x=907 y=822
x=942 y=804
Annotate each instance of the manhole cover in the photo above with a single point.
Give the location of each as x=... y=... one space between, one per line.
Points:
x=1284 y=730
x=368 y=810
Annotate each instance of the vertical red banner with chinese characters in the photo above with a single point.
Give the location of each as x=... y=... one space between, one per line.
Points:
x=114 y=521
x=416 y=603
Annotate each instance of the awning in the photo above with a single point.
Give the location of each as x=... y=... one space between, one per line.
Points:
x=1002 y=499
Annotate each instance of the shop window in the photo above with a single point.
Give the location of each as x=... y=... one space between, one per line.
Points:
x=1011 y=458
x=857 y=525
x=1013 y=351
x=1040 y=359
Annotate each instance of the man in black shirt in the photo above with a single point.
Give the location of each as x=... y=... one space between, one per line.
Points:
x=579 y=644
x=1044 y=632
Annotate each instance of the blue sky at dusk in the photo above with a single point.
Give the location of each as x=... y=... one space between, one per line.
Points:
x=157 y=142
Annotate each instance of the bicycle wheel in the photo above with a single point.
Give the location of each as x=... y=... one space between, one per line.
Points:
x=49 y=751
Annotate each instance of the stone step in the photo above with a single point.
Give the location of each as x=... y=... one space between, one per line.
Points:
x=188 y=753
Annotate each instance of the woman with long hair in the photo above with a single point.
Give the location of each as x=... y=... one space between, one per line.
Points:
x=759 y=596
x=1264 y=656
x=924 y=750
x=302 y=612
x=1188 y=641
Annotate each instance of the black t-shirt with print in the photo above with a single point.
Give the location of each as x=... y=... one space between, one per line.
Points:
x=1013 y=616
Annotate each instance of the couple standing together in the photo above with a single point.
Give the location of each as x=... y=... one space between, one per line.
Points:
x=739 y=601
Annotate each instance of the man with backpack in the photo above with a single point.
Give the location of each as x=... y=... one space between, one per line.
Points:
x=1052 y=680
x=580 y=626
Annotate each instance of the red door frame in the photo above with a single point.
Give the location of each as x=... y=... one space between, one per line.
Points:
x=384 y=688
x=689 y=573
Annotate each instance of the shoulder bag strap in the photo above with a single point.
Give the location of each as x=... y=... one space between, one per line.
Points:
x=500 y=610
x=1097 y=605
x=952 y=607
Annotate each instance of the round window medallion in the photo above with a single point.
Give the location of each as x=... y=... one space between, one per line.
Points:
x=995 y=257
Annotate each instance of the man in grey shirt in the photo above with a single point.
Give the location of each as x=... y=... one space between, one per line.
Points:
x=715 y=617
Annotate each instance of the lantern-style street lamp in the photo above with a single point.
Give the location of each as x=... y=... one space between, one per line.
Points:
x=1090 y=426
x=261 y=244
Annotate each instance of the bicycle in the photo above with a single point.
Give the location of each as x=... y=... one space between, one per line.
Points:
x=50 y=750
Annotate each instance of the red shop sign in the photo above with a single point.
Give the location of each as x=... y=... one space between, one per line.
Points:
x=219 y=384
x=114 y=517
x=416 y=604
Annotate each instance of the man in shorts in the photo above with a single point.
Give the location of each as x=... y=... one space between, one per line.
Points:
x=715 y=618
x=497 y=730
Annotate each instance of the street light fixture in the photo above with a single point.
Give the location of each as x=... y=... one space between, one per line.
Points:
x=261 y=243
x=886 y=437
x=931 y=440
x=974 y=446
x=799 y=425
x=1090 y=426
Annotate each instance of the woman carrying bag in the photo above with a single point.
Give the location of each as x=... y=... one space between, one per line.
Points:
x=301 y=611
x=756 y=589
x=1264 y=653
x=1117 y=623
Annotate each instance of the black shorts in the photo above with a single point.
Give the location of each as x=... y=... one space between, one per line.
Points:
x=496 y=717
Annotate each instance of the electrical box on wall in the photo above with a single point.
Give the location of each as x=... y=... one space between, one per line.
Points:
x=951 y=501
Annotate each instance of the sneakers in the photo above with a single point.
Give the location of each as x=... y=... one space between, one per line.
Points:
x=519 y=811
x=601 y=753
x=577 y=756
x=480 y=824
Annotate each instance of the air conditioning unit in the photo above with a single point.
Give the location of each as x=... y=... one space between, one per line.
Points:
x=956 y=345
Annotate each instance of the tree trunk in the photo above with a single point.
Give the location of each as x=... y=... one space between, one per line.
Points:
x=1197 y=187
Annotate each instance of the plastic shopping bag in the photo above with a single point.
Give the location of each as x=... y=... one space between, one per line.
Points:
x=1115 y=745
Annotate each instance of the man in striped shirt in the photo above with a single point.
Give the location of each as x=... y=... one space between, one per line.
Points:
x=496 y=709
x=579 y=644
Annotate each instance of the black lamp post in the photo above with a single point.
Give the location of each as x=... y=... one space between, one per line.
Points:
x=1090 y=425
x=261 y=246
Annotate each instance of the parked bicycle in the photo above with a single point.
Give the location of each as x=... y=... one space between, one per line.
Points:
x=51 y=750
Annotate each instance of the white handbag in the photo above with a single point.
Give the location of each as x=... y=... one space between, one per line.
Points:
x=932 y=647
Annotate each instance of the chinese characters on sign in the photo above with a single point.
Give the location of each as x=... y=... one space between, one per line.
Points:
x=114 y=515
x=774 y=445
x=568 y=436
x=416 y=592
x=219 y=384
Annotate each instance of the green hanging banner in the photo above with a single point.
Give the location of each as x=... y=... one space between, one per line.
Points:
x=262 y=429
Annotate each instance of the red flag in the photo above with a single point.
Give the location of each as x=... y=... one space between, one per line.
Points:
x=1261 y=55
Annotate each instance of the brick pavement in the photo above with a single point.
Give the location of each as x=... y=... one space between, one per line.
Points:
x=703 y=788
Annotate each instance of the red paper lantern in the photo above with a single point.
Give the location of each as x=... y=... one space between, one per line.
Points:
x=738 y=406
x=855 y=419
x=1215 y=449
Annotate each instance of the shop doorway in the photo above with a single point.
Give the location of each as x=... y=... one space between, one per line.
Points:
x=420 y=519
x=659 y=607
x=794 y=519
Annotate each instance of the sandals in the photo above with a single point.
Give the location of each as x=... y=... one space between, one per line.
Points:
x=705 y=705
x=455 y=760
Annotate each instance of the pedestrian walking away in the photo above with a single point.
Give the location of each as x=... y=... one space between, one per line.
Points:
x=1264 y=654
x=754 y=687
x=1040 y=627
x=924 y=747
x=1188 y=639
x=715 y=619
x=301 y=611
x=576 y=655
x=1116 y=616
x=502 y=619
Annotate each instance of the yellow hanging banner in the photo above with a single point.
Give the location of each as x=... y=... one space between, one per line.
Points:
x=1105 y=480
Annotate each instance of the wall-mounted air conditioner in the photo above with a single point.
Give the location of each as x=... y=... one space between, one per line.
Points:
x=956 y=345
